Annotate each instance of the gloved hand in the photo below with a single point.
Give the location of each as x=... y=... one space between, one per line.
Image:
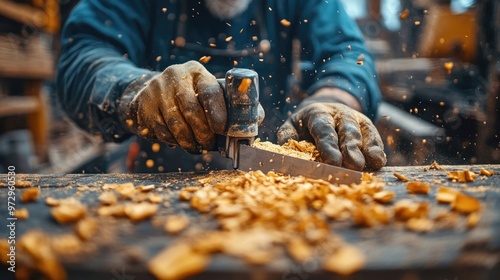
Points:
x=184 y=105
x=343 y=136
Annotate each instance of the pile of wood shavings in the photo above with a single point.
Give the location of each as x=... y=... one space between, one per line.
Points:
x=300 y=149
x=261 y=214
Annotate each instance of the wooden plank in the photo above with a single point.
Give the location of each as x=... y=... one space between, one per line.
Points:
x=28 y=58
x=39 y=119
x=18 y=105
x=24 y=13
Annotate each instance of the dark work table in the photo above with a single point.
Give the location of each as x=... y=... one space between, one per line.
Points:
x=121 y=249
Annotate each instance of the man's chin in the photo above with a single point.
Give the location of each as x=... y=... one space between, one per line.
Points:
x=227 y=9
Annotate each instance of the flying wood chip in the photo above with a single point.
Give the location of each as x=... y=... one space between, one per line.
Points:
x=244 y=85
x=285 y=22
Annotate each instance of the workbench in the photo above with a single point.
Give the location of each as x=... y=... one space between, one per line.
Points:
x=391 y=251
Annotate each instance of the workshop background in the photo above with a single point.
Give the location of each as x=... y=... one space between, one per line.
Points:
x=438 y=64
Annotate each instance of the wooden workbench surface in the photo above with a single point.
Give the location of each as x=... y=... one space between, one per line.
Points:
x=122 y=248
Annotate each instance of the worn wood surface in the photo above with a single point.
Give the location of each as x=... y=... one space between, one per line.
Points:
x=123 y=248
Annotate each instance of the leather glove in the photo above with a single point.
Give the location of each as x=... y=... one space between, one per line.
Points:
x=343 y=136
x=182 y=106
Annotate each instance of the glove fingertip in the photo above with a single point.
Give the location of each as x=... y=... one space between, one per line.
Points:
x=333 y=157
x=376 y=158
x=285 y=132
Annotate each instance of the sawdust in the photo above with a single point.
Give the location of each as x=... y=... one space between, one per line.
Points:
x=300 y=149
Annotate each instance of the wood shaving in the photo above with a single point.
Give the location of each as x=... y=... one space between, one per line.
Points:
x=127 y=189
x=435 y=166
x=487 y=173
x=406 y=209
x=473 y=219
x=401 y=177
x=244 y=85
x=300 y=149
x=176 y=223
x=205 y=59
x=285 y=22
x=299 y=250
x=464 y=176
x=139 y=197
x=22 y=214
x=69 y=211
x=37 y=248
x=362 y=217
x=66 y=244
x=140 y=211
x=86 y=228
x=446 y=195
x=110 y=186
x=155 y=198
x=345 y=261
x=418 y=187
x=177 y=261
x=384 y=196
x=108 y=198
x=185 y=193
x=50 y=201
x=257 y=210
x=83 y=188
x=466 y=204
x=23 y=184
x=368 y=177
x=261 y=216
x=147 y=188
x=30 y=195
x=117 y=210
x=4 y=250
x=419 y=224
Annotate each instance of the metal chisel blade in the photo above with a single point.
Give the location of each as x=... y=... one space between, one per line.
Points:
x=251 y=158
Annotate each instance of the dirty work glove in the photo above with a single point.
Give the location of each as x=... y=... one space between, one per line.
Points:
x=343 y=136
x=182 y=106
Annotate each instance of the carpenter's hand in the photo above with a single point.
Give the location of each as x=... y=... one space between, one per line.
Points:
x=343 y=136
x=184 y=105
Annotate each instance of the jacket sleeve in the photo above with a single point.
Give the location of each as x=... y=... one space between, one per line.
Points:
x=102 y=44
x=335 y=46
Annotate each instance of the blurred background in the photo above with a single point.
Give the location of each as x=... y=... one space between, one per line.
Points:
x=438 y=64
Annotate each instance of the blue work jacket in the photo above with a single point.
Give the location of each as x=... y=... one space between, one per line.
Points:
x=107 y=44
